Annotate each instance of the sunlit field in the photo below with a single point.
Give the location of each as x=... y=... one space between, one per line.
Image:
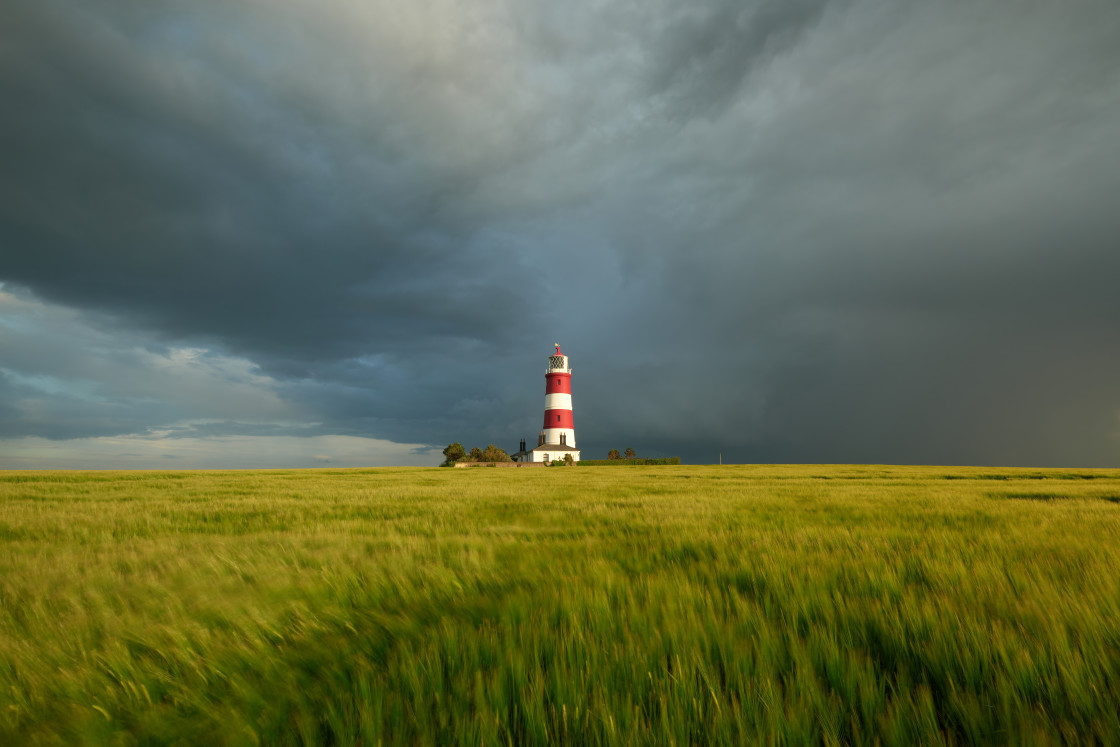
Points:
x=649 y=605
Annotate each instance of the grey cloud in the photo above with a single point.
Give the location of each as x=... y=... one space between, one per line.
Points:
x=64 y=376
x=704 y=56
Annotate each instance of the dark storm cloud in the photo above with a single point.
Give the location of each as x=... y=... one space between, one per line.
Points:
x=802 y=231
x=180 y=190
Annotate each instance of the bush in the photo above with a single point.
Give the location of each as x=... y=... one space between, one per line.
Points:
x=493 y=454
x=490 y=454
x=629 y=462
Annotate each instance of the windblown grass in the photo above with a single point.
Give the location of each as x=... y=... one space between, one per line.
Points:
x=651 y=605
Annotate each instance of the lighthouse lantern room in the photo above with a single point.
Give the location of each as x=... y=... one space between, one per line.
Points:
x=558 y=436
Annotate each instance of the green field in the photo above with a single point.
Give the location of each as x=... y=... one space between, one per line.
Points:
x=650 y=605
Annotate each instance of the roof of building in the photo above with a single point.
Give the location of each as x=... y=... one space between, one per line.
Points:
x=555 y=447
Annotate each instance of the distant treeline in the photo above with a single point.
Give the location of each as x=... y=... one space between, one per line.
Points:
x=626 y=462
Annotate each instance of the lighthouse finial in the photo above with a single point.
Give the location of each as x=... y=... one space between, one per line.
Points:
x=557 y=348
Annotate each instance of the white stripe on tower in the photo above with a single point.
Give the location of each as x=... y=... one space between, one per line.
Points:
x=558 y=402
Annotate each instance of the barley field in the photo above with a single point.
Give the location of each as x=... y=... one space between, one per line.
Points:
x=648 y=605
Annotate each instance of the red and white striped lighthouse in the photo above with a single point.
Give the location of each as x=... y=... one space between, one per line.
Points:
x=558 y=434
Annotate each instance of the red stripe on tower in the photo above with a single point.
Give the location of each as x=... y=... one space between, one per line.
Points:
x=558 y=419
x=557 y=382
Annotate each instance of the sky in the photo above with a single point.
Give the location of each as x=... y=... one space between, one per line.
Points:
x=305 y=234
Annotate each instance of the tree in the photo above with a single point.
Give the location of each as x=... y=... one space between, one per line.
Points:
x=613 y=454
x=568 y=460
x=475 y=455
x=630 y=453
x=453 y=453
x=494 y=454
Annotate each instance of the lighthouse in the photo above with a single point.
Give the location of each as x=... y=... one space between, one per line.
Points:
x=558 y=435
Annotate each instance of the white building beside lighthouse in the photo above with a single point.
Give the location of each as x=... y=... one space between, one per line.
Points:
x=557 y=438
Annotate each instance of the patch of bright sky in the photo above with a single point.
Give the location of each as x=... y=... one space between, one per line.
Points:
x=220 y=452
